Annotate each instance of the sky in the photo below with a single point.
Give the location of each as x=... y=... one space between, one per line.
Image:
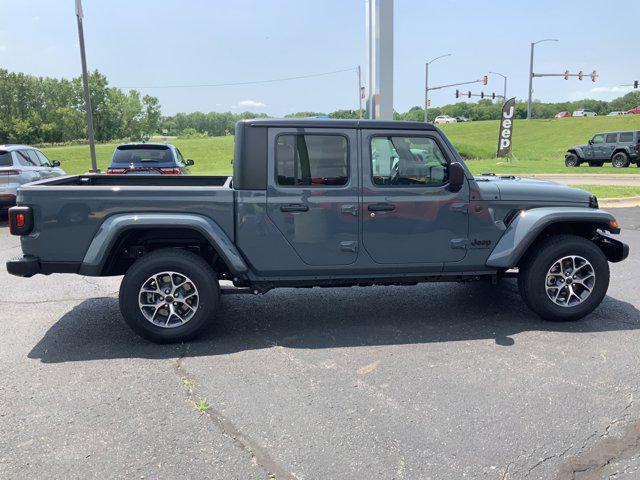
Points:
x=145 y=43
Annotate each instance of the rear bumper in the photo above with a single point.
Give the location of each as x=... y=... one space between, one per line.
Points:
x=24 y=266
x=29 y=265
x=7 y=200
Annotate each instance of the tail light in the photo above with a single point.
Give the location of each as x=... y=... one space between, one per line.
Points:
x=20 y=220
x=637 y=147
x=10 y=172
x=116 y=171
x=171 y=171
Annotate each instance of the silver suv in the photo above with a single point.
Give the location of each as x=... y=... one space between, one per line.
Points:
x=20 y=164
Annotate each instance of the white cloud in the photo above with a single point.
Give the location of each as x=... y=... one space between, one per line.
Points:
x=3 y=48
x=600 y=92
x=36 y=19
x=250 y=104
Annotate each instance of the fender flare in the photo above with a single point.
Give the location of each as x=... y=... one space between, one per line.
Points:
x=111 y=229
x=577 y=152
x=528 y=225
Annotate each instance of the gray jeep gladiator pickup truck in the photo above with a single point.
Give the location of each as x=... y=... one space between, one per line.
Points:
x=316 y=203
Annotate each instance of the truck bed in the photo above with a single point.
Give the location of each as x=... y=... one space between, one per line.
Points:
x=68 y=211
x=136 y=180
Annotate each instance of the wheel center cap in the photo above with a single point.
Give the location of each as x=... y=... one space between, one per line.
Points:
x=168 y=299
x=569 y=281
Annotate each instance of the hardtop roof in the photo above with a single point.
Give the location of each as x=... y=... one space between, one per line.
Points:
x=339 y=123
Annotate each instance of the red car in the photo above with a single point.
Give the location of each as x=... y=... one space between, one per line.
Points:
x=635 y=110
x=562 y=115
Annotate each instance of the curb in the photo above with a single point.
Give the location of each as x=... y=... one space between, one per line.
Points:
x=624 y=202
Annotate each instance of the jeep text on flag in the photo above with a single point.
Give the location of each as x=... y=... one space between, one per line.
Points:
x=506 y=127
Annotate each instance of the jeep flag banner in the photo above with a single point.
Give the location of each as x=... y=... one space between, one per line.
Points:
x=506 y=127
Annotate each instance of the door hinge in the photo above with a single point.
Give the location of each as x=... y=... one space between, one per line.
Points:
x=459 y=243
x=349 y=209
x=350 y=246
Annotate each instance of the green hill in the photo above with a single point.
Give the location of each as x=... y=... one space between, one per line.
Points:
x=538 y=146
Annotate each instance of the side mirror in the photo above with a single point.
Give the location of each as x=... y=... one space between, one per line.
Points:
x=591 y=141
x=55 y=163
x=189 y=162
x=456 y=176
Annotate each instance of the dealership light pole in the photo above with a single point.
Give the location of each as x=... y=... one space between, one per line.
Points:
x=533 y=44
x=504 y=95
x=87 y=96
x=426 y=85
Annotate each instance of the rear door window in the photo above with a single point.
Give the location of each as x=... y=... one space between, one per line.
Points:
x=612 y=138
x=5 y=159
x=312 y=160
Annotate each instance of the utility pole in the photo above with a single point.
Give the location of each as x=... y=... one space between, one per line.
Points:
x=426 y=85
x=85 y=83
x=529 y=103
x=359 y=92
x=504 y=94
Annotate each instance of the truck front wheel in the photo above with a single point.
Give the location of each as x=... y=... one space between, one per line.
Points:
x=169 y=295
x=564 y=277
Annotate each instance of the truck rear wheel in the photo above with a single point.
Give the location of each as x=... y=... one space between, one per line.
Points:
x=169 y=295
x=620 y=160
x=564 y=278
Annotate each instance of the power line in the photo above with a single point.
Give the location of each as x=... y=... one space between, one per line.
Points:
x=255 y=82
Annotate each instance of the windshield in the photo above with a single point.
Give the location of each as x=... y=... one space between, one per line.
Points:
x=142 y=153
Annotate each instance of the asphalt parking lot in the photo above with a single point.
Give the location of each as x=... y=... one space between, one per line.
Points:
x=439 y=381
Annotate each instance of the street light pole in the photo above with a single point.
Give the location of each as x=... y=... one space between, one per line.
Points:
x=529 y=103
x=504 y=94
x=426 y=85
x=87 y=95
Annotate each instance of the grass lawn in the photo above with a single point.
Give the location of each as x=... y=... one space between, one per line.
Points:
x=610 y=191
x=539 y=147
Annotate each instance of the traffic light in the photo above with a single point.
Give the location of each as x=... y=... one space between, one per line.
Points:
x=428 y=102
x=635 y=84
x=493 y=95
x=485 y=79
x=469 y=94
x=481 y=94
x=593 y=76
x=457 y=94
x=580 y=75
x=566 y=74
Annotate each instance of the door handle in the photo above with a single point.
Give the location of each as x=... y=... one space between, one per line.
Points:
x=381 y=207
x=294 y=207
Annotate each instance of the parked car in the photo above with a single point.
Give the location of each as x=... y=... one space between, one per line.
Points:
x=619 y=148
x=441 y=119
x=562 y=115
x=21 y=164
x=615 y=113
x=634 y=110
x=317 y=203
x=584 y=113
x=462 y=119
x=148 y=159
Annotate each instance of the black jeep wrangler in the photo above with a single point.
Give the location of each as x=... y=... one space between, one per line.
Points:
x=620 y=148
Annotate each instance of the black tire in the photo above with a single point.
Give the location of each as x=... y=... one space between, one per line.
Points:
x=620 y=160
x=596 y=164
x=532 y=278
x=185 y=263
x=571 y=160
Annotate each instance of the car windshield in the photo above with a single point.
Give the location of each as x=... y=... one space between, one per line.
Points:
x=5 y=159
x=142 y=153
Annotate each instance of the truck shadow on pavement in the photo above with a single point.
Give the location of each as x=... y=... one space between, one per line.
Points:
x=327 y=318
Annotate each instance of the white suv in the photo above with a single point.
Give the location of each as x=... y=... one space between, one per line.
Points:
x=584 y=113
x=444 y=119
